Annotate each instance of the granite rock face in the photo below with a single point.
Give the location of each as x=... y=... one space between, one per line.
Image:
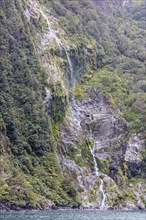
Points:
x=134 y=153
x=93 y=120
x=92 y=152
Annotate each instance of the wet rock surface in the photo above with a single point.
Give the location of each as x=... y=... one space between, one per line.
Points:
x=94 y=120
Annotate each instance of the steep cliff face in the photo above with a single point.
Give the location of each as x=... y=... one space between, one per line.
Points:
x=93 y=123
x=77 y=137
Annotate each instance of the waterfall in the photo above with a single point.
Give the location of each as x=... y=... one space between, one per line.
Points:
x=52 y=32
x=98 y=173
x=70 y=63
x=102 y=205
x=59 y=44
x=77 y=113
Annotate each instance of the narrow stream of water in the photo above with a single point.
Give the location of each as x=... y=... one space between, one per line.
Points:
x=61 y=46
x=98 y=174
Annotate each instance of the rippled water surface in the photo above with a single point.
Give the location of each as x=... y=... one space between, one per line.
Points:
x=73 y=215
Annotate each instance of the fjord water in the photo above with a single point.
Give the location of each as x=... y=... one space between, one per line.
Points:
x=73 y=215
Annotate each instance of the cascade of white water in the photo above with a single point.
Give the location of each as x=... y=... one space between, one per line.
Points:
x=70 y=63
x=77 y=113
x=52 y=32
x=102 y=205
x=59 y=44
x=98 y=173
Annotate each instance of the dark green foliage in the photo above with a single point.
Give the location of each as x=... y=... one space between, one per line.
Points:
x=69 y=187
x=58 y=103
x=22 y=80
x=110 y=54
x=26 y=132
x=110 y=36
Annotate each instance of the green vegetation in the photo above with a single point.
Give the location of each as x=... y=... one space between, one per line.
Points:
x=26 y=129
x=109 y=50
x=80 y=92
x=109 y=54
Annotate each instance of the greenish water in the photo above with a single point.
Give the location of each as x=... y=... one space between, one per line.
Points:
x=73 y=215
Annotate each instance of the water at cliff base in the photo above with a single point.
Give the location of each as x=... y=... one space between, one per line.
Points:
x=73 y=215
